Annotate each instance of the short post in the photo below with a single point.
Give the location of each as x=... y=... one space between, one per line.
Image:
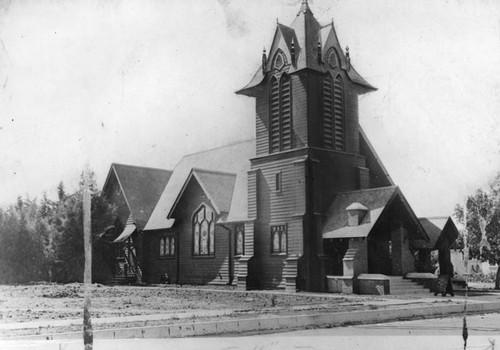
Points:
x=88 y=337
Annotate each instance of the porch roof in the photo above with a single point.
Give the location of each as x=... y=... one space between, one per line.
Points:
x=374 y=199
x=441 y=231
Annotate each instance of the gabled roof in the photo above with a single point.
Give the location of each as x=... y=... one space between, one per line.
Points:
x=438 y=229
x=234 y=158
x=306 y=32
x=377 y=200
x=218 y=187
x=378 y=173
x=141 y=187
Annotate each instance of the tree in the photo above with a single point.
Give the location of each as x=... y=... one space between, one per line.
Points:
x=68 y=238
x=483 y=224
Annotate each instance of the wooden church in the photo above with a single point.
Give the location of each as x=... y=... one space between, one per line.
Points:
x=306 y=205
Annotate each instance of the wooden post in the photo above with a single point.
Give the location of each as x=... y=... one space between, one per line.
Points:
x=88 y=337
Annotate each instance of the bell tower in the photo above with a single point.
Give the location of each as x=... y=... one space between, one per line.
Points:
x=308 y=148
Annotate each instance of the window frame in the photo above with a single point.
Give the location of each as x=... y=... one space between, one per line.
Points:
x=282 y=231
x=239 y=228
x=167 y=240
x=210 y=235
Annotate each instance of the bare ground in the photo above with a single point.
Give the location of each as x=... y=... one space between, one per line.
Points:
x=24 y=303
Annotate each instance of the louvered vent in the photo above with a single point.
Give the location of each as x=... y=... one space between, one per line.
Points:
x=338 y=100
x=274 y=134
x=286 y=114
x=327 y=112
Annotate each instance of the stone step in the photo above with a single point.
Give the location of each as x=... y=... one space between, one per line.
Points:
x=401 y=286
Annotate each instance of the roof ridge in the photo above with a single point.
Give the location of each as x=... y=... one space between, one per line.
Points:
x=369 y=189
x=219 y=147
x=213 y=171
x=141 y=167
x=434 y=217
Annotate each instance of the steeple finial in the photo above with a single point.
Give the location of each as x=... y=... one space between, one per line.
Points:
x=304 y=8
x=348 y=58
x=320 y=53
x=264 y=61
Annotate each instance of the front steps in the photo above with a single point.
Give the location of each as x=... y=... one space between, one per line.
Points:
x=400 y=286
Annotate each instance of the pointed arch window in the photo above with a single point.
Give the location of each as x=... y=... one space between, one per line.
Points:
x=204 y=231
x=280 y=102
x=240 y=239
x=333 y=113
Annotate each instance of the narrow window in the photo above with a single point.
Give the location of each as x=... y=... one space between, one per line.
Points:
x=240 y=239
x=167 y=245
x=280 y=114
x=204 y=231
x=339 y=122
x=279 y=239
x=286 y=114
x=274 y=133
x=277 y=182
x=328 y=112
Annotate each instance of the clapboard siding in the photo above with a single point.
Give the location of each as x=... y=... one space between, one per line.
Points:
x=299 y=108
x=154 y=265
x=252 y=194
x=333 y=172
x=262 y=121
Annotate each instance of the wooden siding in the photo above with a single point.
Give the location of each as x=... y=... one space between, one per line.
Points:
x=154 y=265
x=192 y=269
x=278 y=207
x=334 y=172
x=299 y=110
x=252 y=194
x=262 y=121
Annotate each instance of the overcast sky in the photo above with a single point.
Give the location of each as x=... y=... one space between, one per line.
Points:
x=145 y=82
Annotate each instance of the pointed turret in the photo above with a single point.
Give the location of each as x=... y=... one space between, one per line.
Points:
x=306 y=44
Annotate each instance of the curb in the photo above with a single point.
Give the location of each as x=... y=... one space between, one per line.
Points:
x=279 y=323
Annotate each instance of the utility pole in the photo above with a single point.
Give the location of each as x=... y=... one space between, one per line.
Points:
x=88 y=337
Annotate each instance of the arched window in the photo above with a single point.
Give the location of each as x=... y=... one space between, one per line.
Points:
x=280 y=104
x=338 y=109
x=333 y=113
x=204 y=231
x=279 y=244
x=240 y=239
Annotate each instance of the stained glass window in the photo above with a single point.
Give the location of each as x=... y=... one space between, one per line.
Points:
x=279 y=239
x=167 y=245
x=240 y=239
x=204 y=231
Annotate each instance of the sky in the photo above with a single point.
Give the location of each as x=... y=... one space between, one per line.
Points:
x=146 y=82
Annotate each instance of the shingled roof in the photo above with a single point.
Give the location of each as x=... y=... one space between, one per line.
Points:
x=141 y=186
x=376 y=200
x=234 y=159
x=217 y=185
x=439 y=229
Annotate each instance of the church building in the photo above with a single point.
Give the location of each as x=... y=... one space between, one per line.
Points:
x=306 y=205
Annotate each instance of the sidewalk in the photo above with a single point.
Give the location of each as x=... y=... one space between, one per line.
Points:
x=224 y=322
